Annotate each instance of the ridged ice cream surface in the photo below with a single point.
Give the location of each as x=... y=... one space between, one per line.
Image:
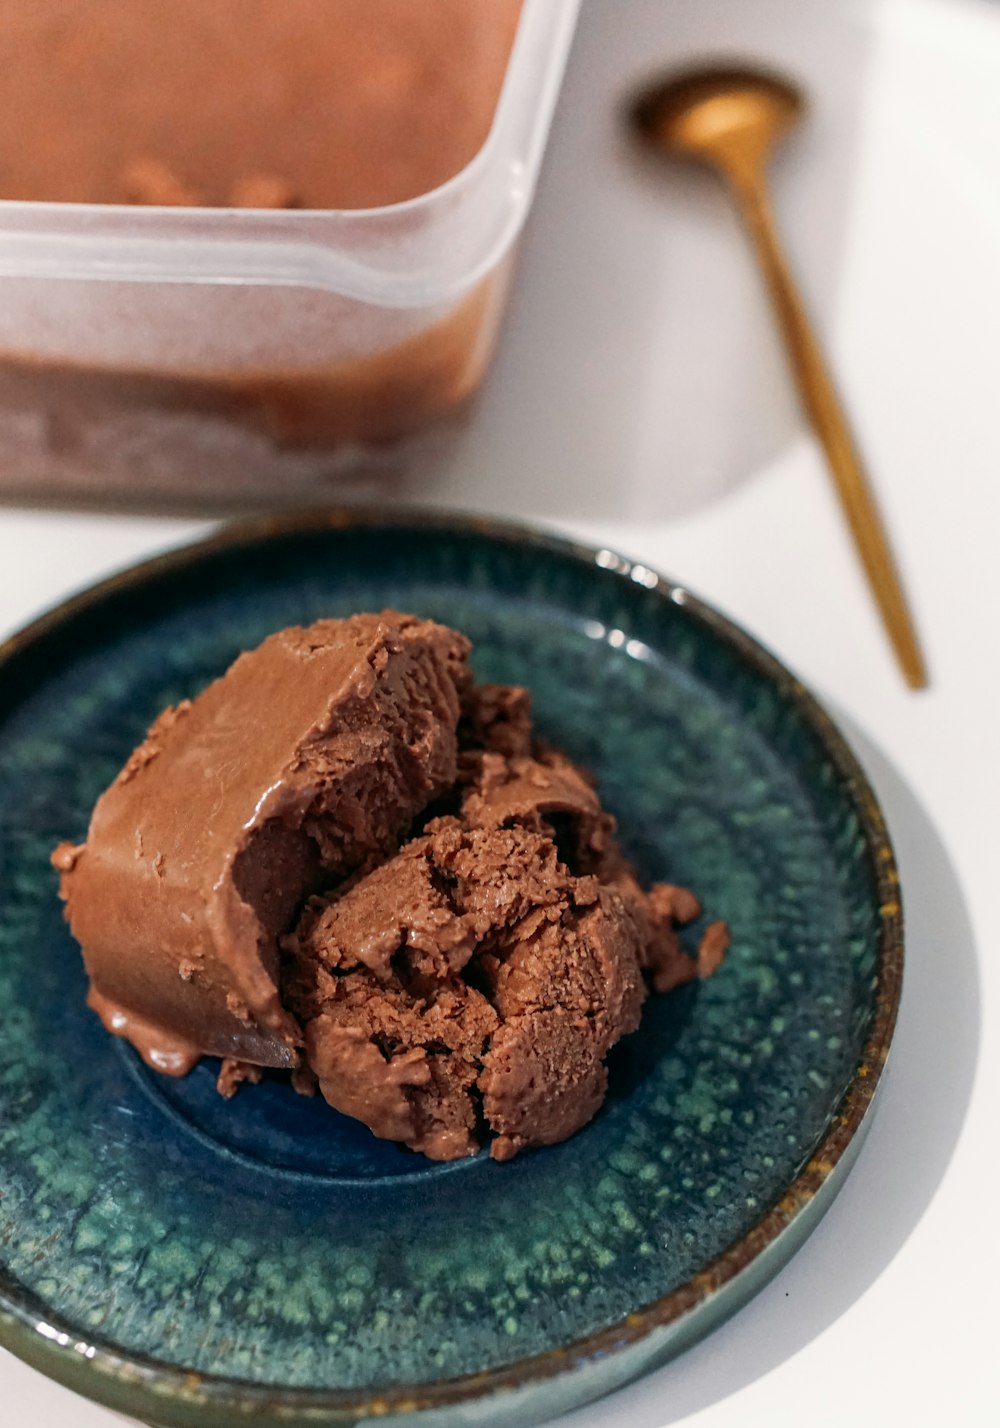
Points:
x=347 y=859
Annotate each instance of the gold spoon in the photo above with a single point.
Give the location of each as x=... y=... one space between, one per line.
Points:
x=730 y=119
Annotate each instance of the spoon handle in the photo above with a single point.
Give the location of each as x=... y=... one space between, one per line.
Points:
x=824 y=409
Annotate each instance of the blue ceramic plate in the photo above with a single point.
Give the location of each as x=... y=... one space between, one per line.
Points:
x=265 y=1260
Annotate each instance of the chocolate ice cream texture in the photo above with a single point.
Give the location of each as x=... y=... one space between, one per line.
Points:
x=315 y=104
x=347 y=859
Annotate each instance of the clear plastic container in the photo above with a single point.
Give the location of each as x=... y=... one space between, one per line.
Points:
x=205 y=352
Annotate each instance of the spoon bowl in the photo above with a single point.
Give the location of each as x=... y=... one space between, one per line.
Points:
x=710 y=114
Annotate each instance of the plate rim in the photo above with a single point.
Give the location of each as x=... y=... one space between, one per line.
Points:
x=112 y=1375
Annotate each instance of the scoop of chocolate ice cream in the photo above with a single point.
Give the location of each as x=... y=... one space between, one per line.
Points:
x=475 y=982
x=345 y=853
x=488 y=980
x=310 y=756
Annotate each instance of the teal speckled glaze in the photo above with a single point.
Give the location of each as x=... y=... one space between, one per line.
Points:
x=191 y=1260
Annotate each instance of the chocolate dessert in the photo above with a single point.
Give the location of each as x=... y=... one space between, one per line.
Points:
x=244 y=103
x=190 y=380
x=347 y=859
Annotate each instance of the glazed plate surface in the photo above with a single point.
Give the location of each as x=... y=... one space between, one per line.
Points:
x=265 y=1260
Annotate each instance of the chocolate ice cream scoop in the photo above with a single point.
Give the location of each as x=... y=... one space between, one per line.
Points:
x=347 y=859
x=311 y=755
x=475 y=982
x=489 y=981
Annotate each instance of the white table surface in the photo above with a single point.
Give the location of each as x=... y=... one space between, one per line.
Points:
x=639 y=400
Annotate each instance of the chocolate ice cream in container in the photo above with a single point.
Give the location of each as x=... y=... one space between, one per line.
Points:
x=186 y=344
